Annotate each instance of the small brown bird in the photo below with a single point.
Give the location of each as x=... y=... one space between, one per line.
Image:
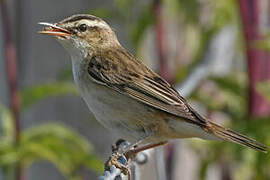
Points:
x=126 y=96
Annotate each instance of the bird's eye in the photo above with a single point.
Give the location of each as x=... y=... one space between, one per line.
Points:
x=83 y=27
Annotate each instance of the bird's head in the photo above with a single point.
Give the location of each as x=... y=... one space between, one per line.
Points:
x=82 y=34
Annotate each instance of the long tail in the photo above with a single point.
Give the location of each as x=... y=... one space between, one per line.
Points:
x=232 y=136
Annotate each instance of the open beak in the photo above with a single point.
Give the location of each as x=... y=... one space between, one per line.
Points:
x=52 y=29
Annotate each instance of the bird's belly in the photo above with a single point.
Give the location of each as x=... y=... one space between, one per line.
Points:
x=121 y=114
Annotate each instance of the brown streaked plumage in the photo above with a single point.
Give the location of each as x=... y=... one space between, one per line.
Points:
x=125 y=95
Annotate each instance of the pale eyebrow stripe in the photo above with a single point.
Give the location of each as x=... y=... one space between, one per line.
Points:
x=94 y=23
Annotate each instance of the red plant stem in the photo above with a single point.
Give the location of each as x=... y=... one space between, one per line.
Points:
x=161 y=42
x=258 y=60
x=11 y=63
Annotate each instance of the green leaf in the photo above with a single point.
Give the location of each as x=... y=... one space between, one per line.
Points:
x=264 y=89
x=58 y=144
x=36 y=93
x=8 y=154
x=7 y=133
x=8 y=151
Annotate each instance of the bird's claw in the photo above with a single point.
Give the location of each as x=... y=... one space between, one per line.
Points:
x=119 y=158
x=120 y=162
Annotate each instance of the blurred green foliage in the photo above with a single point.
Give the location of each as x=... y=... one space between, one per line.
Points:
x=231 y=98
x=36 y=93
x=52 y=142
x=138 y=27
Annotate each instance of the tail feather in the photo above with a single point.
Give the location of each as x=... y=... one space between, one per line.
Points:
x=232 y=136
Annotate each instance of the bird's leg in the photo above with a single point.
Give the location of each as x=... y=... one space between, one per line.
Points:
x=120 y=146
x=133 y=152
x=134 y=145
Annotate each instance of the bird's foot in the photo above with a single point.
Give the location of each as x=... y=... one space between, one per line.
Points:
x=125 y=148
x=119 y=158
x=120 y=162
x=124 y=153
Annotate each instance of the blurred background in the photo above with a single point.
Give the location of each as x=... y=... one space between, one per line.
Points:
x=216 y=53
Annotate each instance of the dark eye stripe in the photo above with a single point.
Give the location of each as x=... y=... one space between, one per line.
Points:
x=80 y=17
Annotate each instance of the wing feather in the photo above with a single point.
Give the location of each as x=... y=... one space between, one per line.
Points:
x=141 y=84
